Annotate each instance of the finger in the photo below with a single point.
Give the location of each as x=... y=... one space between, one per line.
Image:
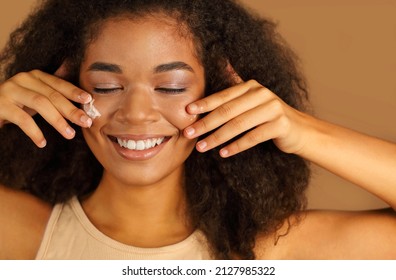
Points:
x=43 y=106
x=67 y=109
x=228 y=111
x=258 y=135
x=237 y=126
x=215 y=100
x=46 y=109
x=67 y=89
x=61 y=103
x=23 y=120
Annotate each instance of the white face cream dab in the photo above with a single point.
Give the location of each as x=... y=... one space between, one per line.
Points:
x=91 y=110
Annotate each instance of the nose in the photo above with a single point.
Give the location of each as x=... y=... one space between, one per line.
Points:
x=138 y=105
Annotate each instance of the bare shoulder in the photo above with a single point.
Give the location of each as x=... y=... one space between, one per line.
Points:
x=333 y=235
x=23 y=219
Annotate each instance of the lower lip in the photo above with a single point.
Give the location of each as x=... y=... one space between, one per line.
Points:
x=138 y=155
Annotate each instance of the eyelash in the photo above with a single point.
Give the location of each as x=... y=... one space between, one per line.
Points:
x=105 y=90
x=171 y=90
x=165 y=90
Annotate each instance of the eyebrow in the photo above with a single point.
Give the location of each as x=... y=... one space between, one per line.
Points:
x=114 y=68
x=105 y=67
x=176 y=65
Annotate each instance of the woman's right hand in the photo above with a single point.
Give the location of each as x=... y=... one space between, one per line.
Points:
x=28 y=93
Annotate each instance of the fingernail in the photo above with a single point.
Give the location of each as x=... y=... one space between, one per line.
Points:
x=190 y=131
x=85 y=97
x=70 y=131
x=85 y=120
x=224 y=152
x=43 y=144
x=192 y=108
x=202 y=145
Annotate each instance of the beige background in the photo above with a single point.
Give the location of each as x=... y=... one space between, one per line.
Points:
x=348 y=52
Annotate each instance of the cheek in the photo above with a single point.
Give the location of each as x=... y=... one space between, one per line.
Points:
x=172 y=108
x=99 y=108
x=174 y=111
x=180 y=118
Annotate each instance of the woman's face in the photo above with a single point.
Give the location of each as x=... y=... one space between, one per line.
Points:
x=142 y=74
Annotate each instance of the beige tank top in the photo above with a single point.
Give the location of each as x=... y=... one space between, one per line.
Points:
x=71 y=236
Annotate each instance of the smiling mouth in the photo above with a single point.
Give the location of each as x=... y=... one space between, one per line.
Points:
x=138 y=145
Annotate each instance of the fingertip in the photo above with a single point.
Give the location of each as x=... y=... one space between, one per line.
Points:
x=42 y=144
x=189 y=132
x=202 y=146
x=70 y=132
x=86 y=121
x=224 y=153
x=192 y=109
x=84 y=97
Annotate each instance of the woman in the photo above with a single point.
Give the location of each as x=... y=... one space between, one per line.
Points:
x=162 y=74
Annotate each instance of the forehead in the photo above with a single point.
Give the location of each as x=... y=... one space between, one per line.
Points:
x=142 y=39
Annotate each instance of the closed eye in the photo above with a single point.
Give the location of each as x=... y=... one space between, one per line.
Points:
x=171 y=90
x=106 y=90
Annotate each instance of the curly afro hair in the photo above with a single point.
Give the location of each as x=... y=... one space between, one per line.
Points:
x=230 y=200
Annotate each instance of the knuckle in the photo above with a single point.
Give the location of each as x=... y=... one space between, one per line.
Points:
x=59 y=122
x=223 y=96
x=35 y=72
x=216 y=138
x=253 y=137
x=54 y=96
x=238 y=123
x=39 y=100
x=236 y=147
x=22 y=76
x=38 y=74
x=277 y=106
x=225 y=110
x=283 y=124
x=252 y=82
x=203 y=125
x=7 y=87
x=264 y=91
x=73 y=112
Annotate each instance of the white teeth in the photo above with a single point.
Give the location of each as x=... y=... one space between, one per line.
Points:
x=130 y=144
x=140 y=145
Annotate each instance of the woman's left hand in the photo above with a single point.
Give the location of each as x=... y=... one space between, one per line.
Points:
x=250 y=108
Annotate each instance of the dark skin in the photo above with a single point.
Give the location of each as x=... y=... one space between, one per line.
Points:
x=136 y=110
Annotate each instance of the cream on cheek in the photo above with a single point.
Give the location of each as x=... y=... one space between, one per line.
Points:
x=91 y=110
x=172 y=108
x=102 y=107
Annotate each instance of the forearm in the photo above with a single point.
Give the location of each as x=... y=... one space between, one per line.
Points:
x=363 y=160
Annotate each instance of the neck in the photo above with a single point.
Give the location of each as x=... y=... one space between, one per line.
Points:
x=143 y=216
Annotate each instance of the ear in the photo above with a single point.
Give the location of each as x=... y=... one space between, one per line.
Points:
x=235 y=78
